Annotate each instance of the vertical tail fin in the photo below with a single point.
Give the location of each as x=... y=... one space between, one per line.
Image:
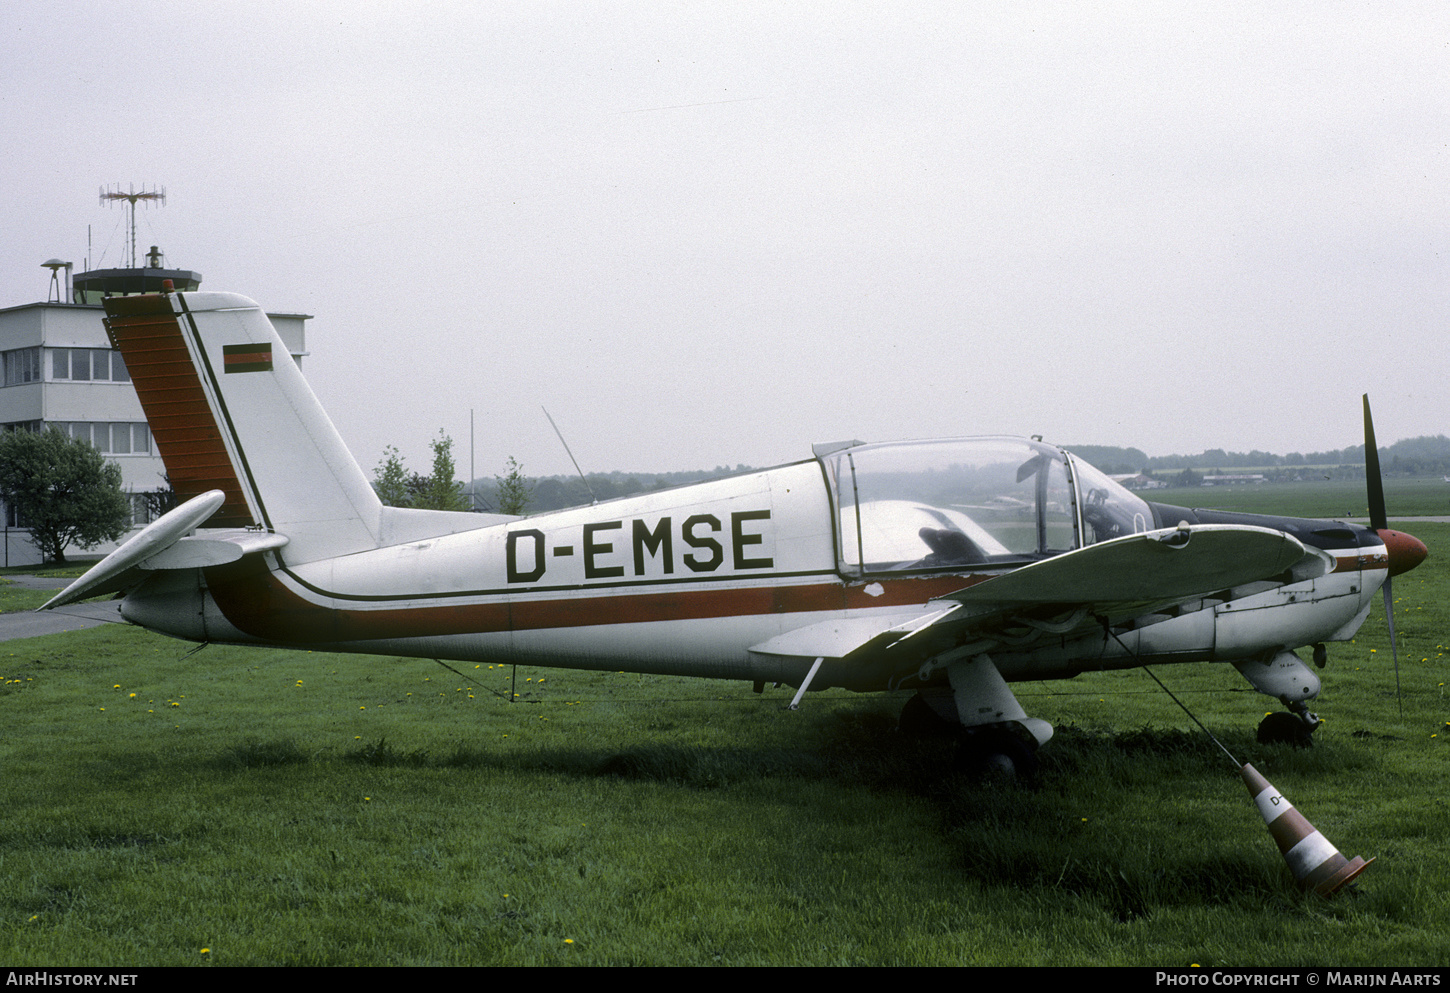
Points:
x=230 y=410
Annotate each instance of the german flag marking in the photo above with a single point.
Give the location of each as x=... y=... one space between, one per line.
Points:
x=247 y=358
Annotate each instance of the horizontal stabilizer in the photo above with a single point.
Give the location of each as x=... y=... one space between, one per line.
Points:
x=164 y=544
x=200 y=551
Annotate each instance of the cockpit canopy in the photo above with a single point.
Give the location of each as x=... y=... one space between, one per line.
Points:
x=970 y=503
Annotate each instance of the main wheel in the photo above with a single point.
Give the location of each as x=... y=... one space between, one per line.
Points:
x=994 y=753
x=919 y=720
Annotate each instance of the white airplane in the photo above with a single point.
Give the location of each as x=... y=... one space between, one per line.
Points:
x=951 y=567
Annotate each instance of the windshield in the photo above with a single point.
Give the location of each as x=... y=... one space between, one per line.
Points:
x=1108 y=509
x=944 y=504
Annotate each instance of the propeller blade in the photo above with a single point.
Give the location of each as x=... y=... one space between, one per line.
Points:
x=1394 y=652
x=1379 y=520
x=1376 y=485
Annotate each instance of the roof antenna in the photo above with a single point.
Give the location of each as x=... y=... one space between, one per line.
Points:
x=592 y=498
x=145 y=196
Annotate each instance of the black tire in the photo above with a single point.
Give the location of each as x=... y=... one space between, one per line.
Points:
x=996 y=754
x=919 y=720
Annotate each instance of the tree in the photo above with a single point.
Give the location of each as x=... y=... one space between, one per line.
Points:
x=158 y=501
x=514 y=491
x=63 y=490
x=391 y=483
x=443 y=492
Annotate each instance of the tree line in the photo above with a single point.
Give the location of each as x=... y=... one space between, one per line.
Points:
x=1426 y=455
x=66 y=493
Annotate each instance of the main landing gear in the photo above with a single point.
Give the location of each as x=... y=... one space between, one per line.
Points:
x=982 y=752
x=995 y=737
x=992 y=753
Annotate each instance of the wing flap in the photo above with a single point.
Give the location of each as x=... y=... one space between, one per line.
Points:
x=839 y=637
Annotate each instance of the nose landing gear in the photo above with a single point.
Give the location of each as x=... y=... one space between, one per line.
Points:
x=1295 y=728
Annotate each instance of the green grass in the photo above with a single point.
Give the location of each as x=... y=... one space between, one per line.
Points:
x=1334 y=499
x=15 y=598
x=280 y=807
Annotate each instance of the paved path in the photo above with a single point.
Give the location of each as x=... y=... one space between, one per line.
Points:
x=77 y=616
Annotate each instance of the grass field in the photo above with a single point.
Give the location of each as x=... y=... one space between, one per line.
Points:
x=249 y=806
x=1334 y=499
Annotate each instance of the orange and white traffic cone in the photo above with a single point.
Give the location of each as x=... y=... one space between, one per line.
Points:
x=1313 y=860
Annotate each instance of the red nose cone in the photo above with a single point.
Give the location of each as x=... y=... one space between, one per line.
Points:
x=1405 y=550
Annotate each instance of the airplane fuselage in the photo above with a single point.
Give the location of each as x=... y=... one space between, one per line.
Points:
x=951 y=566
x=685 y=581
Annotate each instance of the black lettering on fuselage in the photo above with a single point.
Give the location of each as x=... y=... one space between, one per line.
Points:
x=591 y=548
x=514 y=574
x=717 y=554
x=651 y=547
x=656 y=542
x=739 y=539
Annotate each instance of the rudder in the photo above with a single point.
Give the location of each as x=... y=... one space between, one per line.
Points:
x=230 y=410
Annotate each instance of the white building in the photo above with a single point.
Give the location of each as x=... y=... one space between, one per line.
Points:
x=57 y=369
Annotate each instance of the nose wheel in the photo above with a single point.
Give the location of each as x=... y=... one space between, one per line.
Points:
x=1283 y=728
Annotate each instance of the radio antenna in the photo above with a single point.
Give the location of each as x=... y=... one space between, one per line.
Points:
x=592 y=498
x=145 y=196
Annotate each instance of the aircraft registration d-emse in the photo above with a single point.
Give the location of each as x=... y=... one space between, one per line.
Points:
x=950 y=567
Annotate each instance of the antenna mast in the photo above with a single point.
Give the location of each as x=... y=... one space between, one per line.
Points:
x=131 y=197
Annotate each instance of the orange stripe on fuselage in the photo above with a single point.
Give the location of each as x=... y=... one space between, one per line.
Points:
x=147 y=332
x=264 y=607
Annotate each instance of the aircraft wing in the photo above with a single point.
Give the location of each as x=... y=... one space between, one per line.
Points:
x=1061 y=596
x=1123 y=576
x=167 y=543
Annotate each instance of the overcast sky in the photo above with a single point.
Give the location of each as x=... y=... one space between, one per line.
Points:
x=706 y=233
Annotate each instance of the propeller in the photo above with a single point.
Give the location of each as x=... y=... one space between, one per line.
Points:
x=1403 y=550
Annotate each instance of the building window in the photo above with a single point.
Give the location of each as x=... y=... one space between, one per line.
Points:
x=140 y=510
x=35 y=427
x=87 y=365
x=132 y=438
x=22 y=366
